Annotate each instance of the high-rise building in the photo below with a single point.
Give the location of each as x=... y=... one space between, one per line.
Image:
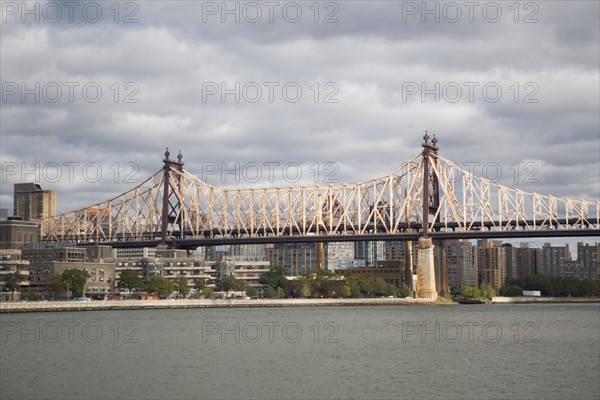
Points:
x=370 y=251
x=512 y=268
x=395 y=250
x=527 y=260
x=553 y=259
x=296 y=258
x=249 y=252
x=557 y=261
x=491 y=262
x=339 y=255
x=32 y=203
x=462 y=270
x=589 y=257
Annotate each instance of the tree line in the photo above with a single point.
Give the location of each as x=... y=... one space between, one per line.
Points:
x=555 y=286
x=70 y=280
x=325 y=283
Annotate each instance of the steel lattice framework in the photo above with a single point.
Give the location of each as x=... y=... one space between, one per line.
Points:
x=175 y=204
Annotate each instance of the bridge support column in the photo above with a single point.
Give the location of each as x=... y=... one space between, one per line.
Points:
x=426 y=272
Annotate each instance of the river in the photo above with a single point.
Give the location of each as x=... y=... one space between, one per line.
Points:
x=526 y=351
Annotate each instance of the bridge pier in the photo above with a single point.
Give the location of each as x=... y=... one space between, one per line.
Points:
x=426 y=272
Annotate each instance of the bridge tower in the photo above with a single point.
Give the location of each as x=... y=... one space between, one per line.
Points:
x=170 y=208
x=431 y=200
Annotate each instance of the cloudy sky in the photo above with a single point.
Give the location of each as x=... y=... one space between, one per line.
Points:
x=93 y=92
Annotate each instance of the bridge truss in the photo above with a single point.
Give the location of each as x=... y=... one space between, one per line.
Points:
x=427 y=195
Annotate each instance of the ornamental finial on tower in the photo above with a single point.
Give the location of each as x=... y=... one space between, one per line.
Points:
x=425 y=139
x=167 y=154
x=180 y=158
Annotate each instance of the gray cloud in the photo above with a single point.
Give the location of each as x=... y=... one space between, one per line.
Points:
x=371 y=56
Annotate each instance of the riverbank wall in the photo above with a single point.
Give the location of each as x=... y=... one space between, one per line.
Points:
x=529 y=300
x=188 y=303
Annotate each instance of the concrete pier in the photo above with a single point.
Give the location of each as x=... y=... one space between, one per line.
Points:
x=426 y=272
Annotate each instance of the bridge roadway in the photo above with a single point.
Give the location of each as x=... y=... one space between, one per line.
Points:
x=407 y=232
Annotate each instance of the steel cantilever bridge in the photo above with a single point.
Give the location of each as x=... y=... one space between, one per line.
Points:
x=428 y=196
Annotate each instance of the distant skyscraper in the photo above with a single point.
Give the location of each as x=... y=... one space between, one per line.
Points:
x=491 y=263
x=512 y=267
x=371 y=252
x=249 y=252
x=395 y=250
x=32 y=203
x=462 y=270
x=589 y=258
x=339 y=255
x=557 y=261
x=553 y=258
x=296 y=258
x=527 y=260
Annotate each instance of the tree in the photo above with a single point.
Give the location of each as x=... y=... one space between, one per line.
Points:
x=181 y=283
x=239 y=285
x=380 y=287
x=76 y=279
x=353 y=282
x=130 y=279
x=406 y=292
x=345 y=291
x=199 y=284
x=294 y=289
x=56 y=284
x=226 y=283
x=324 y=282
x=230 y=282
x=553 y=286
x=279 y=293
x=12 y=282
x=392 y=290
x=367 y=285
x=486 y=291
x=208 y=293
x=160 y=285
x=307 y=280
x=251 y=291
x=275 y=277
x=271 y=293
x=511 y=290
x=470 y=292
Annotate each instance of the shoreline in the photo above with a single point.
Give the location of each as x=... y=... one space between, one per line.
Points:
x=532 y=300
x=17 y=307
x=20 y=307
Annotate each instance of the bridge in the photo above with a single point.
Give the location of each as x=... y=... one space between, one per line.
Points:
x=428 y=197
